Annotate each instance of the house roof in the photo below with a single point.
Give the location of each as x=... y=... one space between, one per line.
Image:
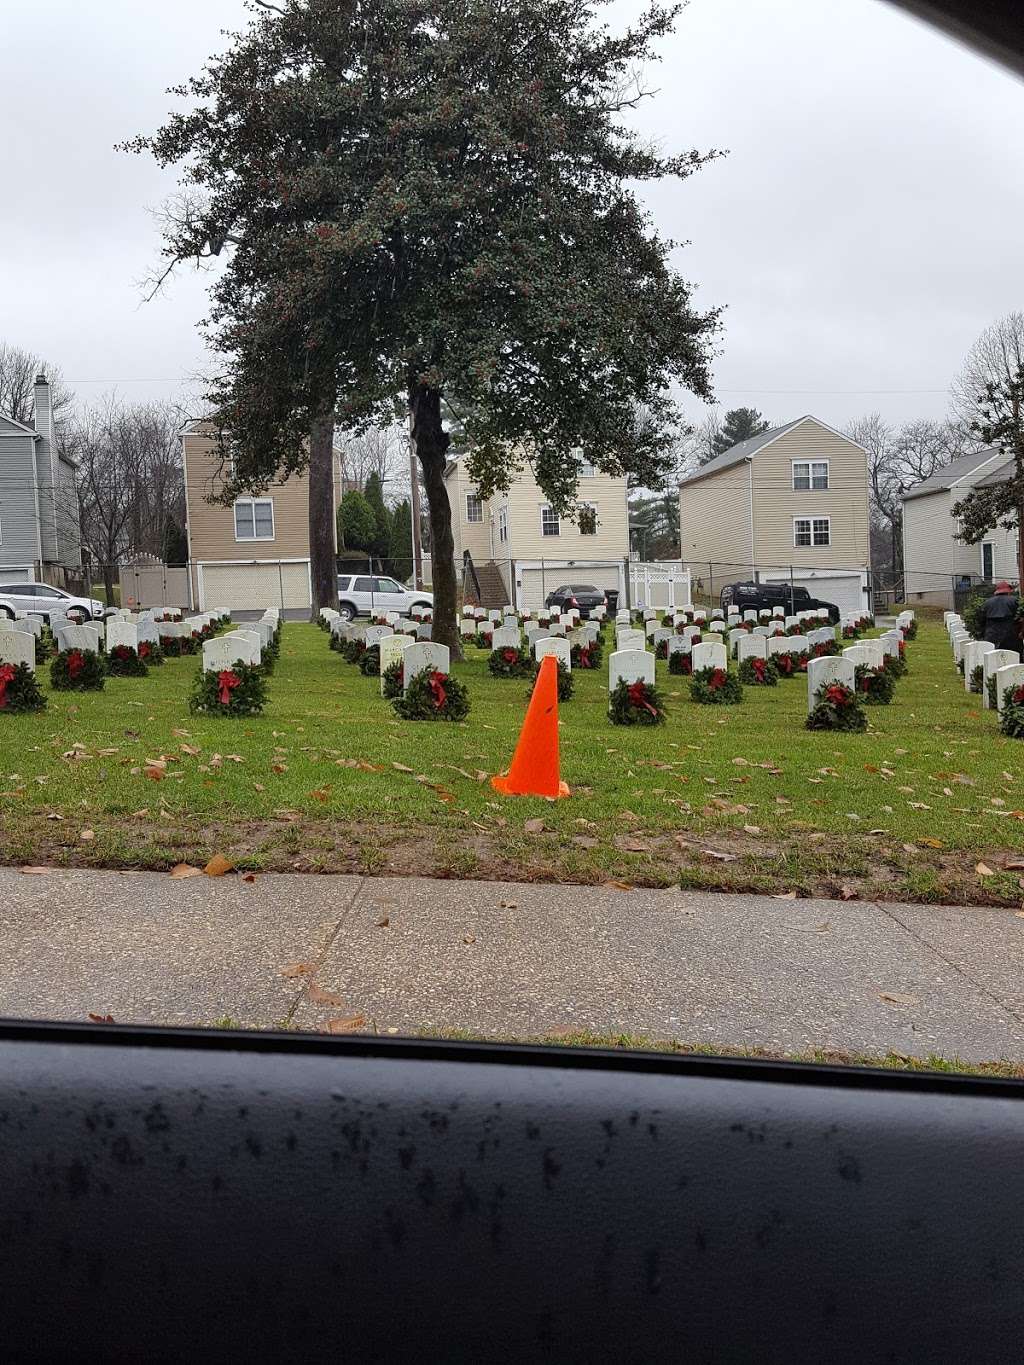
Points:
x=951 y=473
x=743 y=450
x=999 y=473
x=19 y=426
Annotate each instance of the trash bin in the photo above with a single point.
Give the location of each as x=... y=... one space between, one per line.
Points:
x=612 y=596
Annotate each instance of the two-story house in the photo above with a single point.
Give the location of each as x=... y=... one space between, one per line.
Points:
x=254 y=552
x=40 y=535
x=788 y=505
x=523 y=550
x=935 y=561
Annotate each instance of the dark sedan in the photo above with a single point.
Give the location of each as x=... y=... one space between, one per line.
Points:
x=583 y=596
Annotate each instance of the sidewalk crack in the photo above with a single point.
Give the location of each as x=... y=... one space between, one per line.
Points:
x=321 y=958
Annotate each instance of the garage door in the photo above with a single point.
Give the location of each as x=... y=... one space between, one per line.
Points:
x=244 y=587
x=846 y=591
x=21 y=573
x=533 y=586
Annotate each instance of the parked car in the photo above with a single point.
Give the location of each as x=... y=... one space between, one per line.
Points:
x=368 y=594
x=42 y=598
x=583 y=596
x=759 y=596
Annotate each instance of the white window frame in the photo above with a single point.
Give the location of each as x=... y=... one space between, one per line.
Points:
x=587 y=470
x=991 y=546
x=503 y=525
x=812 y=487
x=591 y=507
x=552 y=517
x=475 y=497
x=814 y=544
x=251 y=503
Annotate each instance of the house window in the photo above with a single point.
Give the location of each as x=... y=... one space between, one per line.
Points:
x=812 y=531
x=549 y=525
x=988 y=560
x=588 y=519
x=810 y=474
x=503 y=524
x=254 y=519
x=587 y=470
x=474 y=507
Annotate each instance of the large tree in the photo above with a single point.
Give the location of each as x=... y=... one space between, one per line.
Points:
x=738 y=424
x=374 y=495
x=435 y=200
x=18 y=370
x=989 y=394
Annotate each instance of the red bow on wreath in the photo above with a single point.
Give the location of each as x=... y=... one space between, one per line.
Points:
x=227 y=682
x=6 y=676
x=865 y=682
x=637 y=693
x=144 y=650
x=717 y=679
x=437 y=691
x=1017 y=697
x=121 y=651
x=510 y=655
x=784 y=662
x=76 y=662
x=585 y=661
x=837 y=694
x=759 y=668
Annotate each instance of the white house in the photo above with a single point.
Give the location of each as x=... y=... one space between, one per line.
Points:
x=935 y=561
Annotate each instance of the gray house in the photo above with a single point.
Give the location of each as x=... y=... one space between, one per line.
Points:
x=39 y=524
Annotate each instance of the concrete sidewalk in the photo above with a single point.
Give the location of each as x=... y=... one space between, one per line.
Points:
x=511 y=959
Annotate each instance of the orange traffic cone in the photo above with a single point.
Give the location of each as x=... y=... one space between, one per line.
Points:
x=534 y=770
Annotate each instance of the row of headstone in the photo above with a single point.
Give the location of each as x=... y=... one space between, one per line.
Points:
x=1002 y=664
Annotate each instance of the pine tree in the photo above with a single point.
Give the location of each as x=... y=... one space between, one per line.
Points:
x=435 y=201
x=738 y=424
x=374 y=495
x=357 y=526
x=400 y=547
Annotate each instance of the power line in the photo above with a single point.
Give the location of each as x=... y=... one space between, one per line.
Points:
x=823 y=392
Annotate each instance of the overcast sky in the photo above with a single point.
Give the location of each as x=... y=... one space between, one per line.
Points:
x=865 y=226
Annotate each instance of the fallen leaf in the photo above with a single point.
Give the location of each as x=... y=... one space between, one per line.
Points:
x=155 y=774
x=100 y=1018
x=180 y=870
x=279 y=767
x=189 y=749
x=298 y=969
x=585 y=841
x=785 y=896
x=384 y=921
x=533 y=827
x=321 y=997
x=218 y=865
x=469 y=938
x=508 y=905
x=619 y=886
x=1014 y=865
x=321 y=794
x=249 y=877
x=402 y=768
x=983 y=870
x=894 y=998
x=630 y=843
x=87 y=835
x=847 y=893
x=930 y=843
x=351 y=1024
x=751 y=829
x=34 y=871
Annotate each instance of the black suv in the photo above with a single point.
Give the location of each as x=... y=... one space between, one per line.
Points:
x=583 y=596
x=759 y=596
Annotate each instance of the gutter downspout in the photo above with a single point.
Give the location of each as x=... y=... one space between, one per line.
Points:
x=750 y=509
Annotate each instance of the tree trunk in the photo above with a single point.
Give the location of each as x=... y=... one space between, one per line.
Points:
x=431 y=443
x=323 y=564
x=108 y=583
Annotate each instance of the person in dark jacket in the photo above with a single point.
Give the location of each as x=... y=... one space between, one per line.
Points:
x=1001 y=618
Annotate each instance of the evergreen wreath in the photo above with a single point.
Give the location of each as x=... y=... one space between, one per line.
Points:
x=19 y=691
x=43 y=647
x=993 y=701
x=824 y=647
x=352 y=650
x=635 y=703
x=897 y=666
x=790 y=663
x=836 y=707
x=77 y=670
x=238 y=691
x=586 y=656
x=178 y=646
x=483 y=638
x=566 y=685
x=758 y=672
x=124 y=662
x=150 y=653
x=680 y=663
x=1011 y=718
x=432 y=695
x=910 y=629
x=511 y=661
x=977 y=678
x=875 y=686
x=393 y=680
x=661 y=649
x=851 y=631
x=369 y=661
x=716 y=687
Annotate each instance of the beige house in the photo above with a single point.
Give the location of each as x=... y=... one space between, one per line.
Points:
x=935 y=561
x=523 y=550
x=789 y=504
x=252 y=554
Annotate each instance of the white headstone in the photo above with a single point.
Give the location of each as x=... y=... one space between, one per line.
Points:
x=424 y=654
x=874 y=653
x=253 y=641
x=424 y=631
x=1010 y=676
x=555 y=645
x=677 y=645
x=630 y=639
x=735 y=636
x=822 y=635
x=34 y=624
x=973 y=651
x=857 y=653
x=778 y=644
x=832 y=668
x=121 y=633
x=763 y=631
x=651 y=624
x=798 y=644
x=79 y=637
x=709 y=655
x=17 y=647
x=467 y=627
x=690 y=631
x=713 y=637
x=700 y=616
x=228 y=650
x=506 y=637
x=992 y=662
x=558 y=627
x=374 y=634
x=750 y=614
x=630 y=665
x=392 y=648
x=661 y=635
x=753 y=647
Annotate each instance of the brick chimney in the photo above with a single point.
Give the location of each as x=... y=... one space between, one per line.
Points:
x=46 y=465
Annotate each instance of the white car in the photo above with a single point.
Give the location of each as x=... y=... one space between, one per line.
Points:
x=372 y=594
x=42 y=598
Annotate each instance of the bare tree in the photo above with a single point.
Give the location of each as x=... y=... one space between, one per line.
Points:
x=128 y=480
x=997 y=357
x=18 y=370
x=383 y=451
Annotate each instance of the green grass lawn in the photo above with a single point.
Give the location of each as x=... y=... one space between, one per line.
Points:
x=330 y=780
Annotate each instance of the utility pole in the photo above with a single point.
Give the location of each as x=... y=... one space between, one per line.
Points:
x=414 y=490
